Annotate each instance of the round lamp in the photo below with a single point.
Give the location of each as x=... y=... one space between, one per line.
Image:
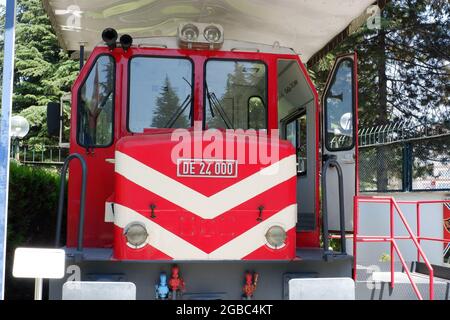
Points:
x=19 y=127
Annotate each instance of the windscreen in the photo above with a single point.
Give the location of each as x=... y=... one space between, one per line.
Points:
x=160 y=93
x=236 y=94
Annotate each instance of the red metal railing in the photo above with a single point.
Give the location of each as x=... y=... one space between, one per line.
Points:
x=394 y=207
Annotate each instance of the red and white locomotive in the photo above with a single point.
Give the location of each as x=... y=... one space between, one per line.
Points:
x=207 y=153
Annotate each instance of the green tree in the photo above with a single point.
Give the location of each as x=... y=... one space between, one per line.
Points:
x=43 y=71
x=167 y=105
x=403 y=69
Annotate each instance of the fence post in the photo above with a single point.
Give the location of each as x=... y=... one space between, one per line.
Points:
x=392 y=236
x=407 y=167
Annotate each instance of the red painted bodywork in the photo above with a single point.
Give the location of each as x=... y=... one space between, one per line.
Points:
x=205 y=234
x=103 y=182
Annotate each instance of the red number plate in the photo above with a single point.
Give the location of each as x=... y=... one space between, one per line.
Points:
x=207 y=168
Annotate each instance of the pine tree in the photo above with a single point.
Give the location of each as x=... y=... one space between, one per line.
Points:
x=403 y=73
x=167 y=105
x=403 y=69
x=236 y=81
x=43 y=71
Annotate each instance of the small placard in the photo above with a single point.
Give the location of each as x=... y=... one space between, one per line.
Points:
x=322 y=289
x=98 y=290
x=212 y=168
x=39 y=263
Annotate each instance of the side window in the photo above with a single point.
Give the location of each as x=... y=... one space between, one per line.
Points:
x=339 y=108
x=295 y=98
x=296 y=133
x=96 y=105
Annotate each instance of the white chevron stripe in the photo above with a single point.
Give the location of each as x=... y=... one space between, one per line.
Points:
x=195 y=202
x=159 y=237
x=180 y=249
x=255 y=238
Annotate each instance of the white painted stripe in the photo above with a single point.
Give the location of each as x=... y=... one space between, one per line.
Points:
x=197 y=203
x=109 y=211
x=180 y=249
x=159 y=238
x=254 y=238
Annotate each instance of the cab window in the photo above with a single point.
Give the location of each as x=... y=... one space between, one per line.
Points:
x=96 y=105
x=235 y=94
x=295 y=102
x=296 y=134
x=160 y=93
x=339 y=108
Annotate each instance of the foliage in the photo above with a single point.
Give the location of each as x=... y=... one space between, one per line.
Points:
x=403 y=72
x=167 y=105
x=385 y=257
x=31 y=221
x=43 y=71
x=403 y=67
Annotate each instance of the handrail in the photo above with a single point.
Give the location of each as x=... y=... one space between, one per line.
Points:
x=332 y=162
x=392 y=238
x=419 y=248
x=418 y=203
x=82 y=200
x=405 y=267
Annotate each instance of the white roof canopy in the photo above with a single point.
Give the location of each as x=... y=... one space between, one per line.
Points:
x=304 y=25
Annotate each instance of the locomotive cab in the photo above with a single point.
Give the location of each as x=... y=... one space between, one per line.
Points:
x=200 y=148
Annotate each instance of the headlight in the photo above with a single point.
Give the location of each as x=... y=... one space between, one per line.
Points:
x=212 y=34
x=276 y=237
x=200 y=36
x=136 y=234
x=189 y=32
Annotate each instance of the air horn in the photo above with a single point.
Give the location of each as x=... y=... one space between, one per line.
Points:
x=109 y=36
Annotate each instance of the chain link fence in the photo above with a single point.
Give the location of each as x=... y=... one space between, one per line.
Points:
x=404 y=156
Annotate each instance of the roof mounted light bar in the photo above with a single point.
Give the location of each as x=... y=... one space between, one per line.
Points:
x=193 y=35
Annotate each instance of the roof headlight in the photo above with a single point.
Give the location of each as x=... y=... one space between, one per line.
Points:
x=189 y=32
x=200 y=36
x=212 y=34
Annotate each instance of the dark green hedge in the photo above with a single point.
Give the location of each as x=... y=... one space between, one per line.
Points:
x=33 y=200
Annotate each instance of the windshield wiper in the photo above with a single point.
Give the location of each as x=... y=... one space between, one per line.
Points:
x=180 y=111
x=215 y=103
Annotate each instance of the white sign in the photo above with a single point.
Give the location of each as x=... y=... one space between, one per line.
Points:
x=39 y=263
x=322 y=289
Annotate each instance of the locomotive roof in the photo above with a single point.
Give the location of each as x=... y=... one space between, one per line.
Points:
x=306 y=26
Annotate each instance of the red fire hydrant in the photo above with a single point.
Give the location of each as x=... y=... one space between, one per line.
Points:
x=176 y=282
x=251 y=281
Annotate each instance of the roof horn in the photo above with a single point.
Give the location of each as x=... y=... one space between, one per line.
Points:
x=109 y=36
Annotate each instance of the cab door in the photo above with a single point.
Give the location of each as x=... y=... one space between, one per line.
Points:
x=92 y=136
x=339 y=132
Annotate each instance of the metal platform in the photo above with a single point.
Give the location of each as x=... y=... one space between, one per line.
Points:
x=105 y=254
x=373 y=283
x=223 y=278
